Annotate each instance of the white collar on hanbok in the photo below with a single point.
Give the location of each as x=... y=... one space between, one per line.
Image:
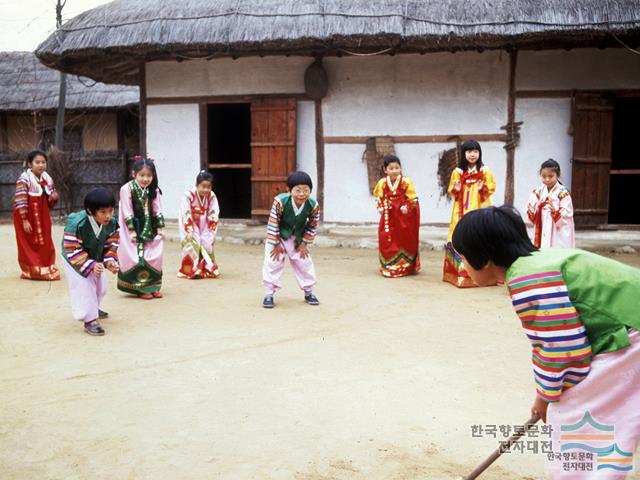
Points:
x=393 y=186
x=546 y=192
x=94 y=225
x=297 y=210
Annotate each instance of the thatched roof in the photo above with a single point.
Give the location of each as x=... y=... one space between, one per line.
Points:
x=111 y=42
x=27 y=85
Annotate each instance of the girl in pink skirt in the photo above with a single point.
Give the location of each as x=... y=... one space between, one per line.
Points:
x=198 y=218
x=141 y=232
x=580 y=312
x=551 y=211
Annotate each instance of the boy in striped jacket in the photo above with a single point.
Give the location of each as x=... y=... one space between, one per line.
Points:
x=89 y=247
x=581 y=313
x=291 y=229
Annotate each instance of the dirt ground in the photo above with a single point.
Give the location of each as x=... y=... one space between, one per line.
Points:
x=384 y=380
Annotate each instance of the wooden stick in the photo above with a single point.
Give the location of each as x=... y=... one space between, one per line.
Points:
x=504 y=446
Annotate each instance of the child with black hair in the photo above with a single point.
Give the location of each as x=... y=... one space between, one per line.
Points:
x=551 y=211
x=471 y=186
x=198 y=217
x=89 y=246
x=35 y=195
x=581 y=313
x=399 y=227
x=291 y=229
x=142 y=222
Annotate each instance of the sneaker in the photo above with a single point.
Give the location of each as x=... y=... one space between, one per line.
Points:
x=102 y=314
x=268 y=301
x=146 y=296
x=94 y=328
x=156 y=295
x=311 y=299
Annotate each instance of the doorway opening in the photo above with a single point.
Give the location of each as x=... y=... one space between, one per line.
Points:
x=229 y=157
x=625 y=163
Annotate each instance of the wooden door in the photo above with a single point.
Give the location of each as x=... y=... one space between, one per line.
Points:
x=592 y=137
x=273 y=151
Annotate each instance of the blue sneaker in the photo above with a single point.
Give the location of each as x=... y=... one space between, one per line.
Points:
x=311 y=299
x=268 y=301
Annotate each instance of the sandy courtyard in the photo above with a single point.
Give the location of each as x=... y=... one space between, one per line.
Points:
x=383 y=380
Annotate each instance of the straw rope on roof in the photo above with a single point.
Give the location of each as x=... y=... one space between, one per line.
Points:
x=27 y=85
x=111 y=42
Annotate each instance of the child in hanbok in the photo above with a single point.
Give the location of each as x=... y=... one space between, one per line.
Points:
x=580 y=313
x=89 y=247
x=291 y=229
x=399 y=227
x=551 y=211
x=35 y=195
x=471 y=186
x=199 y=211
x=141 y=233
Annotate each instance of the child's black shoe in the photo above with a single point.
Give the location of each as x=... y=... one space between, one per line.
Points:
x=267 y=302
x=102 y=314
x=311 y=299
x=94 y=328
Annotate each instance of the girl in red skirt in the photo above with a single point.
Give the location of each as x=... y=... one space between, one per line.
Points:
x=399 y=228
x=35 y=194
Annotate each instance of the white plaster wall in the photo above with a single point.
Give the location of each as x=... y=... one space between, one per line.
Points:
x=435 y=94
x=347 y=198
x=544 y=135
x=402 y=95
x=226 y=76
x=580 y=69
x=306 y=142
x=173 y=141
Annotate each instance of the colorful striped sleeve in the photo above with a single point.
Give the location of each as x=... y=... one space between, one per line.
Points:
x=561 y=352
x=21 y=200
x=111 y=246
x=310 y=229
x=273 y=225
x=76 y=255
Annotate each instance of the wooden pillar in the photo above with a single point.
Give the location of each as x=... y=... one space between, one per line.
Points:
x=121 y=153
x=319 y=157
x=512 y=129
x=4 y=132
x=143 y=111
x=204 y=136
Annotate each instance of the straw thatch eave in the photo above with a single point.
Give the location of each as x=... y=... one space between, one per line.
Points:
x=112 y=42
x=28 y=86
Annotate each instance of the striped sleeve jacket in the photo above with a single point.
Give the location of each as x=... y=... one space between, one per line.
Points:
x=78 y=257
x=275 y=217
x=561 y=352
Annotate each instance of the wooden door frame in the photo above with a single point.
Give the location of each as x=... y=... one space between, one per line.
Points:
x=608 y=94
x=586 y=213
x=205 y=101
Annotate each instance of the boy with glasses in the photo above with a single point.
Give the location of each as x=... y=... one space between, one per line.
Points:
x=291 y=229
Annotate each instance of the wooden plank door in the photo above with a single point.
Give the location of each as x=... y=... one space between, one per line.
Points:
x=273 y=151
x=592 y=138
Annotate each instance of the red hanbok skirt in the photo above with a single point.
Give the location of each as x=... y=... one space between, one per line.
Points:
x=399 y=239
x=36 y=253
